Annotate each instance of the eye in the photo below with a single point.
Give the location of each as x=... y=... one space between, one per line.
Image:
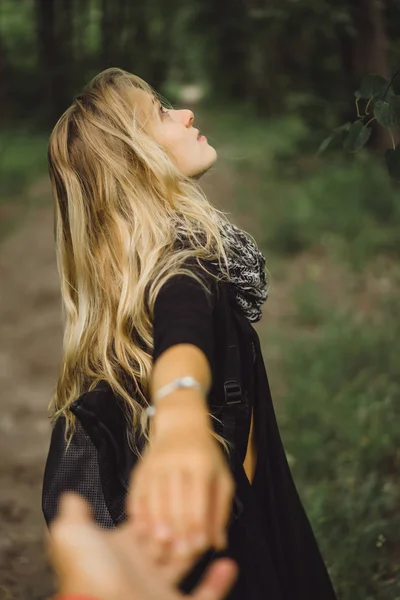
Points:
x=163 y=111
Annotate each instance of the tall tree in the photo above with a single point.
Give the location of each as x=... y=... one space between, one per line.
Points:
x=226 y=52
x=51 y=66
x=371 y=49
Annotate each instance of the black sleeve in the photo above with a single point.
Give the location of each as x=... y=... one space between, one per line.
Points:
x=183 y=314
x=76 y=470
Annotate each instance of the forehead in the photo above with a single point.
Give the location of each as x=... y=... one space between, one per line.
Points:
x=145 y=100
x=144 y=105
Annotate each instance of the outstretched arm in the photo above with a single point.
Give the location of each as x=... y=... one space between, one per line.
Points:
x=182 y=490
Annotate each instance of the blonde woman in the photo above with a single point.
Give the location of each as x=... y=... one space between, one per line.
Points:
x=155 y=281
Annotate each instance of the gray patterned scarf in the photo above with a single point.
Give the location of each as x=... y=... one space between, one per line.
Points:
x=247 y=271
x=246 y=267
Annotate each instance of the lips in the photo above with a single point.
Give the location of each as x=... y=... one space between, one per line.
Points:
x=200 y=137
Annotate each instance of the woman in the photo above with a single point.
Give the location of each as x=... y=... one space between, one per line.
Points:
x=154 y=280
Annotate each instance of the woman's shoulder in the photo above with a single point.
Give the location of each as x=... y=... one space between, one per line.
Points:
x=194 y=282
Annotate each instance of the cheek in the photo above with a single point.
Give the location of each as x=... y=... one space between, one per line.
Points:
x=182 y=147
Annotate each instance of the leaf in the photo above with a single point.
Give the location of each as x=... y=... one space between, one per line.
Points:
x=325 y=144
x=387 y=112
x=396 y=82
x=335 y=136
x=371 y=86
x=357 y=137
x=392 y=158
x=343 y=128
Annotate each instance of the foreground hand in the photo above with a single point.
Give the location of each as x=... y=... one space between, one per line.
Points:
x=181 y=491
x=110 y=565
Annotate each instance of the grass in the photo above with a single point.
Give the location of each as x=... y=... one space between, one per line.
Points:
x=340 y=426
x=23 y=159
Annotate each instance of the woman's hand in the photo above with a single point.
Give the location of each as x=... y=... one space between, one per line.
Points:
x=182 y=489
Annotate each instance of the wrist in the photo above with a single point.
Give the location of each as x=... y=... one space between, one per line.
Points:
x=180 y=408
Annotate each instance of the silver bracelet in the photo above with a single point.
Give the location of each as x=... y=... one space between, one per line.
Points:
x=181 y=382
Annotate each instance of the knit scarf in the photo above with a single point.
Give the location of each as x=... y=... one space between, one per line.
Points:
x=247 y=271
x=246 y=267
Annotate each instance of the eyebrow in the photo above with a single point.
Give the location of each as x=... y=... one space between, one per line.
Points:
x=155 y=101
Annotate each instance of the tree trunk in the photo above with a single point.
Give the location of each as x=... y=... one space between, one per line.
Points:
x=106 y=34
x=371 y=51
x=267 y=53
x=66 y=41
x=50 y=72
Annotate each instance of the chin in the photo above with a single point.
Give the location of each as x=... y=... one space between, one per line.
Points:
x=205 y=167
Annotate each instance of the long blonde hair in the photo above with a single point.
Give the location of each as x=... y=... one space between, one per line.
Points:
x=119 y=201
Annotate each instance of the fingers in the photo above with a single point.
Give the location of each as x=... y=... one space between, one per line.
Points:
x=223 y=492
x=159 y=527
x=191 y=504
x=181 y=500
x=72 y=506
x=68 y=534
x=178 y=511
x=178 y=499
x=217 y=581
x=199 y=508
x=172 y=509
x=191 y=511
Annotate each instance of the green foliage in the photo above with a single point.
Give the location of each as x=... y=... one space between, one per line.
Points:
x=346 y=204
x=311 y=310
x=387 y=112
x=386 y=109
x=339 y=371
x=358 y=135
x=350 y=208
x=372 y=86
x=51 y=49
x=338 y=136
x=340 y=428
x=17 y=33
x=393 y=163
x=23 y=157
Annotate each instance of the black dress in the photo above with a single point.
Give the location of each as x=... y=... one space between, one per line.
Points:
x=271 y=539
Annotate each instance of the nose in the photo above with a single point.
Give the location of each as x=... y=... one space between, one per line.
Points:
x=186 y=116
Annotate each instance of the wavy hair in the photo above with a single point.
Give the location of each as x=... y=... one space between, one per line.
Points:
x=119 y=204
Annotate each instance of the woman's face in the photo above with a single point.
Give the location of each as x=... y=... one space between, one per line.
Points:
x=174 y=131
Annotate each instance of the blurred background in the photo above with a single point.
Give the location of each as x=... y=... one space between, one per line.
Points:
x=268 y=80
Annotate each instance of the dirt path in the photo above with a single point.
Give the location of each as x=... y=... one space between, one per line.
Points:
x=30 y=342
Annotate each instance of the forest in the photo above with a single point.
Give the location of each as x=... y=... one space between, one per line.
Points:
x=301 y=99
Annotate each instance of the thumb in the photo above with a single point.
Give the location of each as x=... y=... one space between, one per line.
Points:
x=73 y=513
x=73 y=507
x=218 y=580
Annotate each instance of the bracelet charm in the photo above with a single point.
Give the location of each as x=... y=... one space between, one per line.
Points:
x=180 y=382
